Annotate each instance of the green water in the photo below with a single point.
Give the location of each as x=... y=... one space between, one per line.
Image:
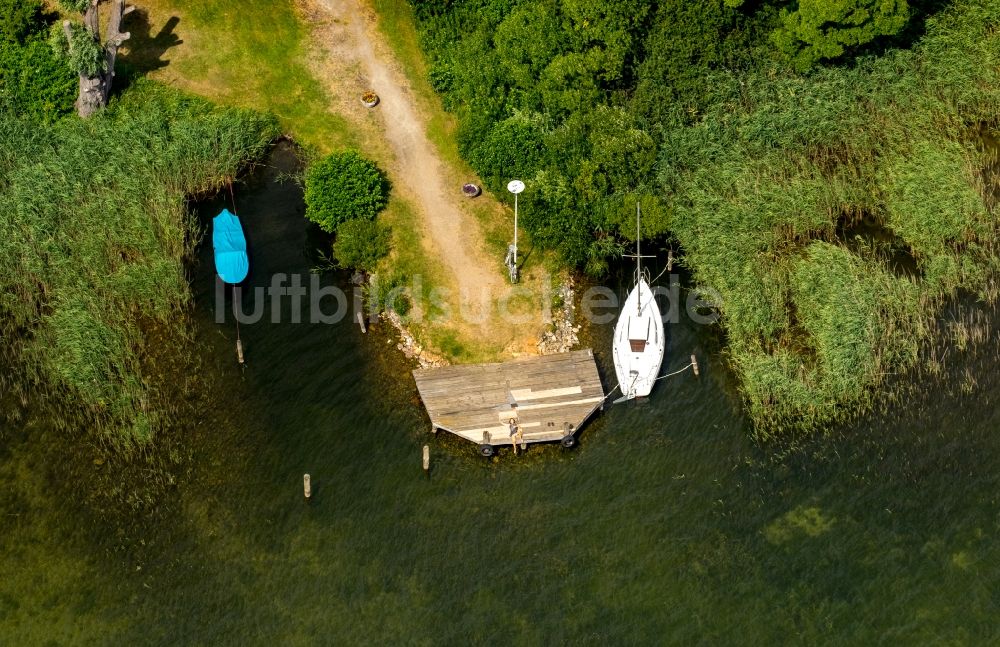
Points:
x=666 y=525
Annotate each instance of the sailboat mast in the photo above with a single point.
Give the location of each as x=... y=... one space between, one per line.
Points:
x=638 y=261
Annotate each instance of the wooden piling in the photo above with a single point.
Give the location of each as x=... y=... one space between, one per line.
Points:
x=361 y=322
x=694 y=365
x=239 y=350
x=427 y=458
x=670 y=260
x=307 y=485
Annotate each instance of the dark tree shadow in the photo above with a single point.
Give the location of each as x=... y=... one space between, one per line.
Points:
x=921 y=10
x=144 y=50
x=916 y=28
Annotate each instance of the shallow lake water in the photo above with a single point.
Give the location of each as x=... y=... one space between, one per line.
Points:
x=666 y=524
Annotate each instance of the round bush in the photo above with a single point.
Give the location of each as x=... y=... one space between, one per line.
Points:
x=344 y=186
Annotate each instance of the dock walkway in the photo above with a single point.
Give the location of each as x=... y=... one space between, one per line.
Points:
x=549 y=397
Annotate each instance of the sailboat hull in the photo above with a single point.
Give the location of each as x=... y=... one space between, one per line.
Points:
x=639 y=343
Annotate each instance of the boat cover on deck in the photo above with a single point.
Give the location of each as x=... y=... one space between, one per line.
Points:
x=231 y=262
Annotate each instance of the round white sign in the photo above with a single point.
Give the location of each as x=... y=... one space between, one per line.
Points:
x=515 y=186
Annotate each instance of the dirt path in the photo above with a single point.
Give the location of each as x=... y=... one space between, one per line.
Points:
x=352 y=42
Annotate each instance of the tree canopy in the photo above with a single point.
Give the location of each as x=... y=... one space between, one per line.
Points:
x=819 y=30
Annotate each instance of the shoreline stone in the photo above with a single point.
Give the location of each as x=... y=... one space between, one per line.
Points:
x=562 y=335
x=409 y=346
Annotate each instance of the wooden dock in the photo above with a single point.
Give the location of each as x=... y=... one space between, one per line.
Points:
x=548 y=397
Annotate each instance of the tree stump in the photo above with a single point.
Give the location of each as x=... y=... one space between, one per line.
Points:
x=95 y=89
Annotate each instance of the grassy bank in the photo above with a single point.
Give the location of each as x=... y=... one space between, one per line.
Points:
x=254 y=55
x=96 y=236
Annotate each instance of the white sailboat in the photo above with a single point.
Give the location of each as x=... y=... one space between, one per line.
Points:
x=639 y=343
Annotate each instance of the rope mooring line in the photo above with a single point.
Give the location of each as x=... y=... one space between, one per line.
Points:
x=232 y=198
x=675 y=372
x=659 y=275
x=611 y=393
x=668 y=268
x=236 y=316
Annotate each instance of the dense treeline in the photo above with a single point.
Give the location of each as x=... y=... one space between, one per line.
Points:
x=95 y=236
x=820 y=163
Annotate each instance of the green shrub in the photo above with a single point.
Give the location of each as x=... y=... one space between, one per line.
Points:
x=512 y=149
x=527 y=41
x=686 y=40
x=361 y=244
x=33 y=81
x=388 y=292
x=82 y=54
x=344 y=186
x=19 y=19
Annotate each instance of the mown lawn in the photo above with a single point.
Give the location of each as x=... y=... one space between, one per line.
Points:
x=249 y=54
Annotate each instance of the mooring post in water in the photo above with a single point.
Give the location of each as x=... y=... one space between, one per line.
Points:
x=427 y=459
x=694 y=365
x=307 y=486
x=361 y=322
x=236 y=316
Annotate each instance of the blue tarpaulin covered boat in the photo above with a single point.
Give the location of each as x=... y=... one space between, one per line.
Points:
x=231 y=262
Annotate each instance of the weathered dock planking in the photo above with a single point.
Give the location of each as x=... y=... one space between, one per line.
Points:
x=545 y=396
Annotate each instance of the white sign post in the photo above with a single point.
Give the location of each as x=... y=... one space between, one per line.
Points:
x=515 y=187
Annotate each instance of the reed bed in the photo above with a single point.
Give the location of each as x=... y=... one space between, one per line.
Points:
x=97 y=234
x=837 y=213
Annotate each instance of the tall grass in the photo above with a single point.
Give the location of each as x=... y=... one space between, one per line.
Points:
x=795 y=197
x=96 y=233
